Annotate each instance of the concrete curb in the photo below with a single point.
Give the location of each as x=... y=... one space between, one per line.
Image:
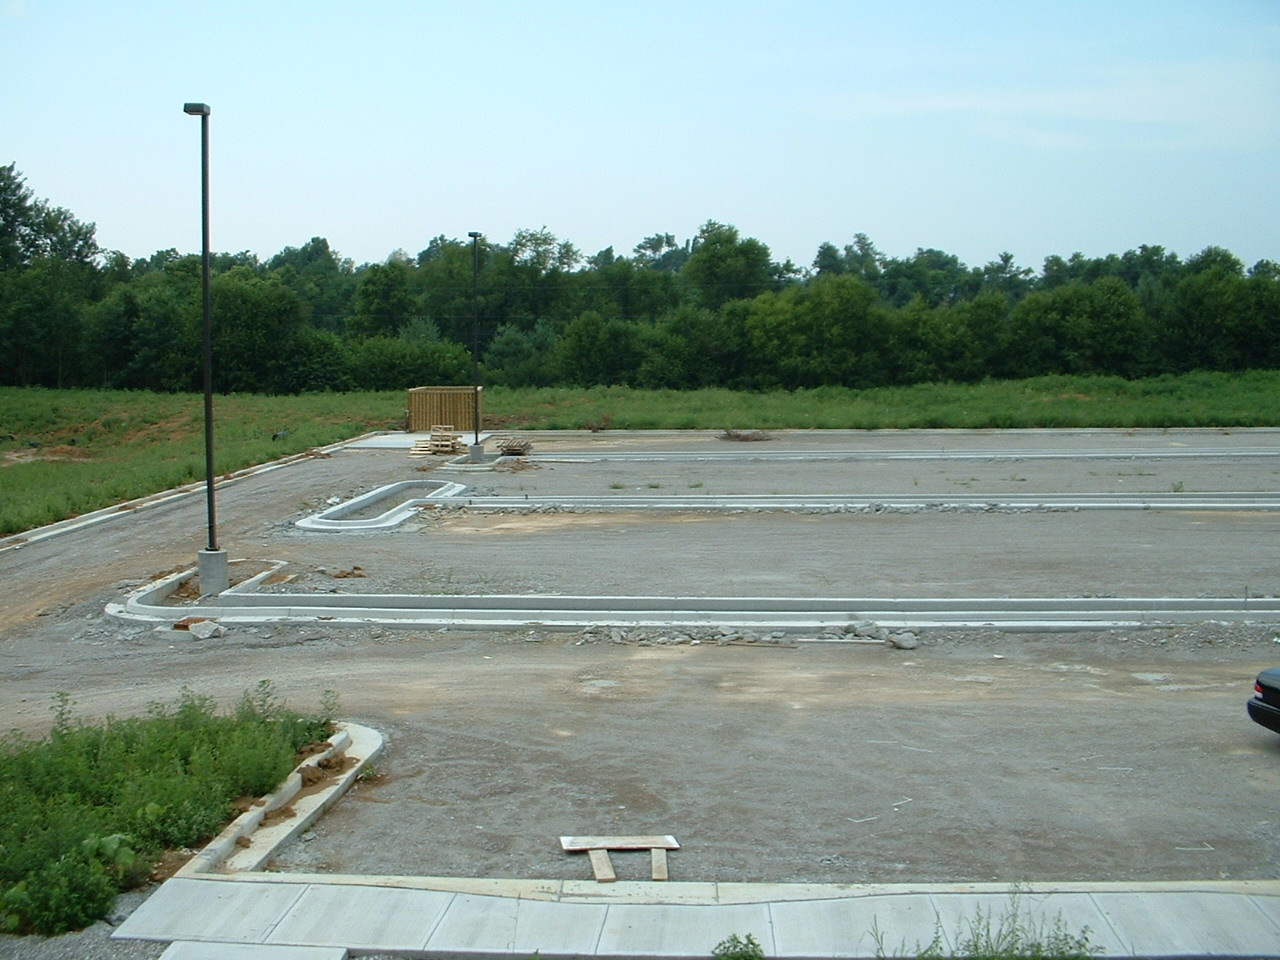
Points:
x=246 y=843
x=241 y=605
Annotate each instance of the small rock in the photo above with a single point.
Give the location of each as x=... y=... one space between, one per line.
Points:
x=904 y=641
x=206 y=629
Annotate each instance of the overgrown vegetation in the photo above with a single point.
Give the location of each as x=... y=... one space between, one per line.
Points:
x=90 y=807
x=65 y=453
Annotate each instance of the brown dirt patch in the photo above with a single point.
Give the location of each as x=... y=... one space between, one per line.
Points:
x=533 y=522
x=170 y=862
x=61 y=452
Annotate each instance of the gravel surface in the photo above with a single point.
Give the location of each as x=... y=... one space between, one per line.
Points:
x=975 y=755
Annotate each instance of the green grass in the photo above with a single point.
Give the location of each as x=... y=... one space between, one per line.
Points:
x=131 y=444
x=87 y=809
x=1194 y=400
x=98 y=448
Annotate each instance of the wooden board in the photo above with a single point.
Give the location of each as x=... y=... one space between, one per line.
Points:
x=579 y=844
x=659 y=860
x=601 y=865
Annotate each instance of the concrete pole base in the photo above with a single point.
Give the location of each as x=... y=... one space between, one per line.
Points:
x=475 y=453
x=213 y=570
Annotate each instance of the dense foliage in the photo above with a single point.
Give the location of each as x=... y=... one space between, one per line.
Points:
x=88 y=808
x=713 y=311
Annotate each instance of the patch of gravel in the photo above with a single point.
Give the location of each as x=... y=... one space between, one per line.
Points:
x=92 y=943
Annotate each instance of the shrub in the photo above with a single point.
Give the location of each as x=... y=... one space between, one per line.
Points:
x=734 y=947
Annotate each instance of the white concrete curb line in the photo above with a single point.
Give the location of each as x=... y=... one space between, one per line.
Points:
x=246 y=844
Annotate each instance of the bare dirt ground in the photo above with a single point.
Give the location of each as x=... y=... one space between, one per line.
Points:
x=978 y=756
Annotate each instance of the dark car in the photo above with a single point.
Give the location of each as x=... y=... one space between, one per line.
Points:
x=1264 y=708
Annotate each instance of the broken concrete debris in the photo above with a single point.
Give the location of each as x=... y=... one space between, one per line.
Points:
x=206 y=629
x=864 y=632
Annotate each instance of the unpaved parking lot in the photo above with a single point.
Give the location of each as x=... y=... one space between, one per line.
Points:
x=1090 y=756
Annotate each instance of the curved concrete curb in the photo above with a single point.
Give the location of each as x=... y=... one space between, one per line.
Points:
x=246 y=844
x=333 y=518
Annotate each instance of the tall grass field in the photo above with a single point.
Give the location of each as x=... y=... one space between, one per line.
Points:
x=65 y=453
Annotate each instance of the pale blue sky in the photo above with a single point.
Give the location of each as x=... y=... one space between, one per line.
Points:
x=973 y=127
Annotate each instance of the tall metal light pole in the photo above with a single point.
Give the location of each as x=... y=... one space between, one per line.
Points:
x=212 y=566
x=477 y=451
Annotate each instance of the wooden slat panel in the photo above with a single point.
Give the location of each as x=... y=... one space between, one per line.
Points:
x=578 y=844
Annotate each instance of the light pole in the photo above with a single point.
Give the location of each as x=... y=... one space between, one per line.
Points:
x=476 y=451
x=211 y=562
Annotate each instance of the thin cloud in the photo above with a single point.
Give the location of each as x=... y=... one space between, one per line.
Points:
x=1211 y=104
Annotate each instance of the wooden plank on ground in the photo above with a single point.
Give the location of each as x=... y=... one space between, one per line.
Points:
x=659 y=858
x=601 y=865
x=578 y=844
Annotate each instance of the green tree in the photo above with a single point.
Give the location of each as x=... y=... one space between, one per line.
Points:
x=324 y=281
x=522 y=358
x=829 y=260
x=1206 y=308
x=825 y=333
x=387 y=363
x=661 y=252
x=1006 y=277
x=383 y=302
x=936 y=276
x=31 y=229
x=257 y=326
x=41 y=311
x=690 y=347
x=594 y=350
x=724 y=267
x=1080 y=328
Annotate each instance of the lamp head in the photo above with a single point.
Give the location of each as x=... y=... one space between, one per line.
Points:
x=474 y=235
x=196 y=109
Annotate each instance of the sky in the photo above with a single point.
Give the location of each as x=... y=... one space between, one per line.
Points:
x=967 y=126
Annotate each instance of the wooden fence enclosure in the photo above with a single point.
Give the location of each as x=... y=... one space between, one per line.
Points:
x=454 y=406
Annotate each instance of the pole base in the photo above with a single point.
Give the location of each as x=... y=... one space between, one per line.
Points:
x=213 y=570
x=475 y=453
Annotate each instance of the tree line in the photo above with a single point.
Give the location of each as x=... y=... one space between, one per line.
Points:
x=712 y=310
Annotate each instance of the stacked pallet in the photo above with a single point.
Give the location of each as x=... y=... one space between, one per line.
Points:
x=444 y=441
x=514 y=446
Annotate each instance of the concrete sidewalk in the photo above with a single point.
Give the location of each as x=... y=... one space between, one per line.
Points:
x=273 y=915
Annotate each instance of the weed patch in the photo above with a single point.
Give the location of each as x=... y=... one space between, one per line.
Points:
x=89 y=808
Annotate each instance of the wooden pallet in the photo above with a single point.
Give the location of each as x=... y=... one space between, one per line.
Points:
x=597 y=849
x=514 y=446
x=444 y=441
